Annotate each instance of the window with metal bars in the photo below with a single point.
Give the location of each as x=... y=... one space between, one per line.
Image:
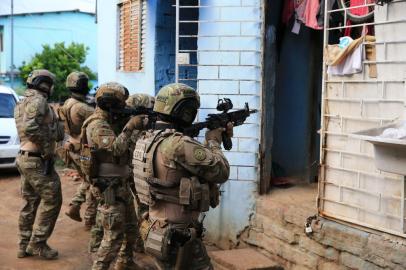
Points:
x=132 y=21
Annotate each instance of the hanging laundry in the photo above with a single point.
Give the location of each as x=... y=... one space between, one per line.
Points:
x=312 y=8
x=288 y=11
x=345 y=61
x=300 y=9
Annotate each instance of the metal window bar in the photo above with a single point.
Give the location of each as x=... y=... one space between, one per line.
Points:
x=325 y=118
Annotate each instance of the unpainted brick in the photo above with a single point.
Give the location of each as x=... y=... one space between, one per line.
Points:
x=323 y=251
x=343 y=237
x=283 y=232
x=331 y=266
x=355 y=262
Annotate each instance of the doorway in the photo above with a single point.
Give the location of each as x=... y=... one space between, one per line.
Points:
x=291 y=100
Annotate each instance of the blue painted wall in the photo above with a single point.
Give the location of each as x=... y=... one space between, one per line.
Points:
x=107 y=27
x=32 y=31
x=165 y=44
x=230 y=66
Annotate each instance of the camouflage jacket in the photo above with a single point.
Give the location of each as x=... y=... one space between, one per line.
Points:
x=73 y=113
x=110 y=148
x=37 y=123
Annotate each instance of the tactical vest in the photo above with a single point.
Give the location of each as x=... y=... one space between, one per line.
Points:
x=189 y=193
x=20 y=118
x=65 y=115
x=96 y=163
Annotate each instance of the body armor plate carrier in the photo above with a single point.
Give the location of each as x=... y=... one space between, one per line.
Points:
x=190 y=193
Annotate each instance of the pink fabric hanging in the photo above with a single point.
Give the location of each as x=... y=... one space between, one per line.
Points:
x=312 y=8
x=300 y=8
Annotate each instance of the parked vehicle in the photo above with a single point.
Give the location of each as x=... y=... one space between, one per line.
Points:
x=9 y=141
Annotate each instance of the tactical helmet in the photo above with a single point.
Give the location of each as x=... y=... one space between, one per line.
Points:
x=111 y=95
x=78 y=82
x=177 y=102
x=41 y=80
x=140 y=100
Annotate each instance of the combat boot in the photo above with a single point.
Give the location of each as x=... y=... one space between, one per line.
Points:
x=42 y=250
x=22 y=253
x=74 y=212
x=128 y=265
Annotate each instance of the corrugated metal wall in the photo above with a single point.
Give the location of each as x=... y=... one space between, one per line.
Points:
x=351 y=188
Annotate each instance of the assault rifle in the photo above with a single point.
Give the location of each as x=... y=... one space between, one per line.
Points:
x=128 y=112
x=219 y=120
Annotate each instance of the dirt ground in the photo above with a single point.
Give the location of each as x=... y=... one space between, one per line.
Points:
x=70 y=237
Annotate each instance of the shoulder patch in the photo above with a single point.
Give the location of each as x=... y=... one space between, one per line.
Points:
x=199 y=153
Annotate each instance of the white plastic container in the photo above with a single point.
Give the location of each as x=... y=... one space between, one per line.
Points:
x=390 y=154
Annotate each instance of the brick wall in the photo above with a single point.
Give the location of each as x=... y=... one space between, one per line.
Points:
x=130 y=40
x=277 y=230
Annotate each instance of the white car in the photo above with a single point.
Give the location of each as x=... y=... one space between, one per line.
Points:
x=9 y=141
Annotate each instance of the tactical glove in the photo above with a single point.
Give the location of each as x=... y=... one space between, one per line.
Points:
x=138 y=122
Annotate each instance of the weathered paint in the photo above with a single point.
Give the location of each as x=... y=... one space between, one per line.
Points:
x=231 y=49
x=136 y=82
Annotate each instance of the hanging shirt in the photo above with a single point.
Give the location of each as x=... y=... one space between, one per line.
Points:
x=300 y=8
x=312 y=8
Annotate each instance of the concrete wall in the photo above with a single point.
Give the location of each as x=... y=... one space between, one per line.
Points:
x=277 y=229
x=229 y=66
x=351 y=187
x=141 y=82
x=32 y=31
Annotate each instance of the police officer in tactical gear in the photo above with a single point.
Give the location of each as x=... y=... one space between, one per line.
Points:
x=107 y=161
x=134 y=101
x=73 y=113
x=178 y=178
x=39 y=130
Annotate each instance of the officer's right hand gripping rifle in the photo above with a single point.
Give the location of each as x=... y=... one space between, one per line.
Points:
x=220 y=120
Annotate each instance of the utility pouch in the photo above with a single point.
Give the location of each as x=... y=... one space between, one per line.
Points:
x=157 y=243
x=185 y=191
x=87 y=161
x=205 y=200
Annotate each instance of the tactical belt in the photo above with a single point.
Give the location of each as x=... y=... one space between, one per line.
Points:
x=113 y=170
x=30 y=154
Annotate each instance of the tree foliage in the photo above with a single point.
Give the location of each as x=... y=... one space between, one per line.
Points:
x=60 y=60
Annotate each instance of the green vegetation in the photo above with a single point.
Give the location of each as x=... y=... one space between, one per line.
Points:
x=60 y=60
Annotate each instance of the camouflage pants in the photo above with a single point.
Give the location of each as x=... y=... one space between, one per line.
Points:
x=96 y=234
x=38 y=191
x=82 y=195
x=120 y=230
x=191 y=256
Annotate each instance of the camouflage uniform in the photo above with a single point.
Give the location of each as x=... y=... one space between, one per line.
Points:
x=135 y=101
x=73 y=113
x=177 y=176
x=38 y=129
x=116 y=208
